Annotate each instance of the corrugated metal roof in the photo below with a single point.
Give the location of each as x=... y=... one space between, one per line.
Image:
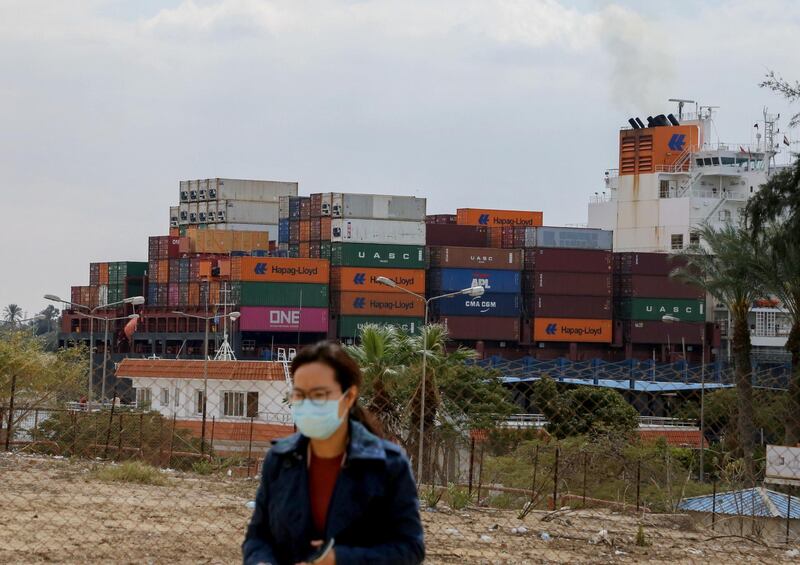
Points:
x=627 y=384
x=759 y=502
x=178 y=369
x=674 y=437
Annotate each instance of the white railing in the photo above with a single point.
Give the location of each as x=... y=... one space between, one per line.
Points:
x=540 y=420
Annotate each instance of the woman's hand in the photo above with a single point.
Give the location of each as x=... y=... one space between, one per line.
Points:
x=329 y=559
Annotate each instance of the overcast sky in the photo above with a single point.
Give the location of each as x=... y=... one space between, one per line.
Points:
x=105 y=105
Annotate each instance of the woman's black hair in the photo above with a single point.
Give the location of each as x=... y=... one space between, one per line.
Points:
x=347 y=374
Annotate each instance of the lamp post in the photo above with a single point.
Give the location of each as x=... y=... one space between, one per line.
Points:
x=206 y=319
x=133 y=300
x=105 y=344
x=475 y=292
x=669 y=320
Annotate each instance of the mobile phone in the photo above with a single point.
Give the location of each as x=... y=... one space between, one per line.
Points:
x=320 y=553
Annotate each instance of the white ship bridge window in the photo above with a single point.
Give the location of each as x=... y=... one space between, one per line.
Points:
x=694 y=238
x=677 y=241
x=699 y=162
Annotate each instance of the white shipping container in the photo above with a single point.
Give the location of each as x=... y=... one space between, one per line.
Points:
x=248 y=212
x=102 y=295
x=283 y=207
x=174 y=216
x=193 y=188
x=193 y=210
x=183 y=191
x=183 y=213
x=327 y=204
x=569 y=238
x=377 y=206
x=377 y=231
x=202 y=212
x=255 y=190
x=212 y=212
x=202 y=191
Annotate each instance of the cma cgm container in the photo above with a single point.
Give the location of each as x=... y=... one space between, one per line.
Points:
x=497 y=218
x=454 y=235
x=569 y=284
x=376 y=255
x=279 y=269
x=253 y=190
x=279 y=294
x=569 y=238
x=378 y=304
x=560 y=306
x=568 y=260
x=572 y=330
x=654 y=286
x=283 y=319
x=360 y=279
x=350 y=326
x=377 y=206
x=478 y=328
x=493 y=280
x=663 y=332
x=475 y=257
x=656 y=308
x=491 y=305
x=646 y=263
x=377 y=231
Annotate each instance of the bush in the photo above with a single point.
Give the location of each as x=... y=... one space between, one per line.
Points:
x=132 y=472
x=458 y=497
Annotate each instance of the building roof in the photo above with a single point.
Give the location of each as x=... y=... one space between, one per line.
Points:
x=676 y=437
x=758 y=501
x=218 y=370
x=626 y=384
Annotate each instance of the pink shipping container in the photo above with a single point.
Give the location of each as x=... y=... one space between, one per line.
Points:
x=568 y=260
x=283 y=319
x=174 y=294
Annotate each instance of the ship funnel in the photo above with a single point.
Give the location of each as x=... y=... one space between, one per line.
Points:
x=650 y=122
x=672 y=120
x=633 y=123
x=638 y=121
x=661 y=120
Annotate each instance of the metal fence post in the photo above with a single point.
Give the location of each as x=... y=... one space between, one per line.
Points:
x=250 y=448
x=714 y=506
x=480 y=476
x=10 y=427
x=535 y=473
x=788 y=513
x=638 y=483
x=171 y=440
x=160 y=439
x=119 y=438
x=141 y=432
x=211 y=446
x=555 y=479
x=471 y=464
x=585 y=464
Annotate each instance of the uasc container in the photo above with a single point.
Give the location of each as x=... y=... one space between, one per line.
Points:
x=657 y=308
x=475 y=257
x=374 y=255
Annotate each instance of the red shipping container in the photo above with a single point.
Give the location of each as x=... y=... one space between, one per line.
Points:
x=664 y=333
x=174 y=294
x=75 y=295
x=568 y=284
x=653 y=286
x=568 y=260
x=440 y=219
x=316 y=205
x=560 y=306
x=646 y=263
x=325 y=228
x=477 y=328
x=451 y=234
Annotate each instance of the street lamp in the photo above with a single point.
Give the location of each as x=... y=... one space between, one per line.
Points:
x=474 y=292
x=233 y=316
x=105 y=344
x=669 y=320
x=132 y=300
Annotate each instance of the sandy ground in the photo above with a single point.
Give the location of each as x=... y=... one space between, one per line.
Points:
x=55 y=510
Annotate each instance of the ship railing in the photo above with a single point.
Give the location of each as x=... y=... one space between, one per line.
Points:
x=599 y=198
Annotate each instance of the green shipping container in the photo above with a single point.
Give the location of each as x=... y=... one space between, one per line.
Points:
x=350 y=326
x=135 y=288
x=325 y=250
x=284 y=294
x=377 y=255
x=120 y=270
x=656 y=308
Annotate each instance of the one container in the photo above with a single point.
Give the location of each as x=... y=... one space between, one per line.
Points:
x=488 y=305
x=560 y=306
x=498 y=218
x=377 y=206
x=375 y=255
x=277 y=269
x=493 y=280
x=657 y=308
x=377 y=231
x=378 y=304
x=475 y=257
x=350 y=326
x=481 y=328
x=454 y=235
x=252 y=190
x=569 y=284
x=245 y=212
x=568 y=260
x=572 y=238
x=283 y=319
x=358 y=279
x=280 y=294
x=654 y=286
x=572 y=330
x=664 y=333
x=646 y=263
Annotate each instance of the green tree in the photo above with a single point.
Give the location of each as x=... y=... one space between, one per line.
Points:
x=722 y=265
x=12 y=313
x=790 y=91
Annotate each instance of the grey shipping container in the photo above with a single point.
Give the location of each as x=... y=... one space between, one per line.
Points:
x=571 y=238
x=377 y=206
x=255 y=190
x=377 y=231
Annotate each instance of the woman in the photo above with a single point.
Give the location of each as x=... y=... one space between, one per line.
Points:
x=335 y=488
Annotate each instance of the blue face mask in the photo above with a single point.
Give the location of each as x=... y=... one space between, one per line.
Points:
x=317 y=421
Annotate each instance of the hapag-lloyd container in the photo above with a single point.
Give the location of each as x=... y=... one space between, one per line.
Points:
x=480 y=328
x=279 y=269
x=656 y=308
x=568 y=260
x=572 y=330
x=654 y=286
x=378 y=304
x=475 y=258
x=491 y=305
x=493 y=280
x=569 y=238
x=377 y=231
x=497 y=218
x=280 y=294
x=560 y=306
x=350 y=326
x=570 y=284
x=375 y=255
x=365 y=280
x=663 y=332
x=283 y=319
x=377 y=206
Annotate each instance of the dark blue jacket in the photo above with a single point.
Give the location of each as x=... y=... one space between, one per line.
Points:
x=373 y=514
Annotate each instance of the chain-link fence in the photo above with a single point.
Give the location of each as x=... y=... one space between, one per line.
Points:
x=510 y=467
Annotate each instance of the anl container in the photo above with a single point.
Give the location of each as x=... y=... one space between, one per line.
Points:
x=475 y=257
x=570 y=238
x=377 y=231
x=280 y=294
x=350 y=326
x=377 y=206
x=493 y=280
x=375 y=255
x=488 y=305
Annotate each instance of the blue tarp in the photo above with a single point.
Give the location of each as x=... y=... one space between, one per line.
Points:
x=627 y=384
x=758 y=501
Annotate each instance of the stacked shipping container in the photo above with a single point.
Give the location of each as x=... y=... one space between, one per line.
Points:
x=110 y=283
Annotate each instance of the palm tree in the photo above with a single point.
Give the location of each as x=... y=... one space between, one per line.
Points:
x=12 y=313
x=722 y=265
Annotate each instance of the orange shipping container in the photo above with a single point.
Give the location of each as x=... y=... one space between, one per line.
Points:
x=213 y=297
x=224 y=267
x=325 y=228
x=236 y=268
x=103 y=273
x=194 y=294
x=497 y=218
x=174 y=232
x=304 y=250
x=286 y=270
x=163 y=271
x=305 y=230
x=365 y=280
x=577 y=330
x=380 y=304
x=204 y=270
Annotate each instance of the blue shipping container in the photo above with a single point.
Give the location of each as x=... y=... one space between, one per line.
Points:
x=495 y=305
x=493 y=280
x=283 y=230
